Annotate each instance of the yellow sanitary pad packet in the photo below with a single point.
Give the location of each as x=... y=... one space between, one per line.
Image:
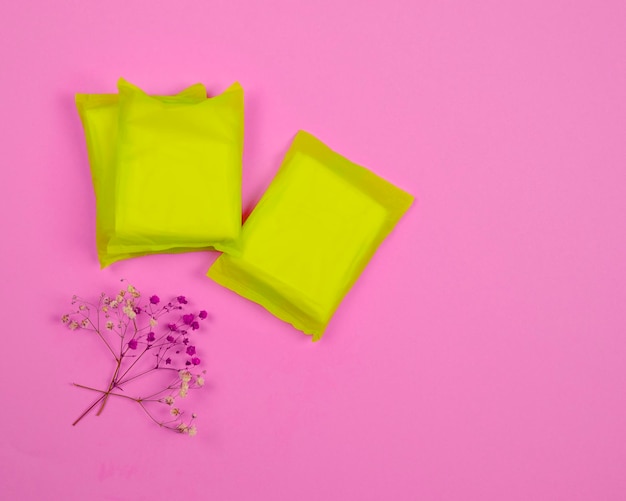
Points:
x=99 y=115
x=178 y=172
x=311 y=235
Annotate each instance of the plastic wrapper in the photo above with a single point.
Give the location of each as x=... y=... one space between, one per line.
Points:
x=178 y=173
x=311 y=235
x=99 y=114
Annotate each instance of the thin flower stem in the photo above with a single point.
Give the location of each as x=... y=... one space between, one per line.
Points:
x=112 y=385
x=132 y=365
x=101 y=336
x=124 y=381
x=148 y=413
x=87 y=411
x=159 y=392
x=134 y=399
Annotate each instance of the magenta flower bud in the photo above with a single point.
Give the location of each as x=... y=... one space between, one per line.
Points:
x=155 y=299
x=187 y=319
x=182 y=299
x=202 y=314
x=151 y=337
x=195 y=326
x=132 y=344
x=195 y=361
x=191 y=350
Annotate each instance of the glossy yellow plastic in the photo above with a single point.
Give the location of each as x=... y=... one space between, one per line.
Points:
x=311 y=235
x=178 y=173
x=99 y=115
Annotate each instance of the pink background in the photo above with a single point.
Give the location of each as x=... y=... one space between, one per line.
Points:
x=482 y=354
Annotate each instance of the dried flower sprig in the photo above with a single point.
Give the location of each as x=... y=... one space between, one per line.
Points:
x=145 y=337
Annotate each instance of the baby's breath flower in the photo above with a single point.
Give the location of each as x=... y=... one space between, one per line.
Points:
x=175 y=348
x=129 y=311
x=183 y=390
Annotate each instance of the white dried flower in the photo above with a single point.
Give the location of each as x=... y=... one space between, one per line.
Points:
x=184 y=389
x=192 y=431
x=174 y=411
x=153 y=322
x=65 y=319
x=169 y=400
x=73 y=325
x=110 y=325
x=200 y=381
x=128 y=310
